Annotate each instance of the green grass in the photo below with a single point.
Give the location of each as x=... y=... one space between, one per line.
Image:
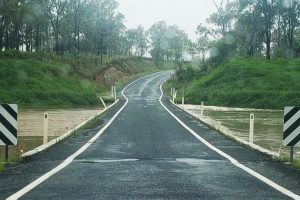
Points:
x=42 y=80
x=296 y=164
x=32 y=82
x=286 y=160
x=1 y=167
x=3 y=164
x=256 y=83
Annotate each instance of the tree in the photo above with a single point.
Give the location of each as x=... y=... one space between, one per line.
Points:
x=203 y=40
x=158 y=40
x=177 y=43
x=266 y=8
x=249 y=30
x=130 y=36
x=224 y=17
x=168 y=42
x=11 y=22
x=141 y=41
x=288 y=22
x=93 y=26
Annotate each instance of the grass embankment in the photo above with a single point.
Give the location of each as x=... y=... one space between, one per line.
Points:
x=43 y=80
x=32 y=82
x=255 y=83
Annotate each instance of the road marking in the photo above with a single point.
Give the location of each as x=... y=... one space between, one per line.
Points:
x=142 y=89
x=228 y=157
x=69 y=160
x=107 y=161
x=147 y=83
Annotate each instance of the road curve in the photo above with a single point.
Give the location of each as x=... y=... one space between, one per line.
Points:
x=142 y=152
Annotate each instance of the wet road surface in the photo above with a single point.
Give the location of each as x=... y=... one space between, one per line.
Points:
x=146 y=154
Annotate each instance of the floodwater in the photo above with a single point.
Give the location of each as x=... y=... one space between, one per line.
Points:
x=268 y=126
x=31 y=126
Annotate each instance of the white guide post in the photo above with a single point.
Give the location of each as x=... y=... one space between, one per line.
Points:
x=115 y=93
x=202 y=109
x=173 y=96
x=101 y=99
x=112 y=91
x=183 y=101
x=45 y=137
x=251 y=129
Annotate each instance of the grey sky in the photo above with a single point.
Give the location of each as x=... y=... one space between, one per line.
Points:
x=187 y=14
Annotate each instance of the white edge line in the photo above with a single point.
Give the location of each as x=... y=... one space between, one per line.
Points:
x=58 y=139
x=143 y=88
x=228 y=157
x=219 y=128
x=66 y=162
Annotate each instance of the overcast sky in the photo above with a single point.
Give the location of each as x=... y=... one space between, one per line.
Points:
x=187 y=14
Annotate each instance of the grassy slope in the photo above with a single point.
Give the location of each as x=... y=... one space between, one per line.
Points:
x=29 y=81
x=249 y=83
x=34 y=82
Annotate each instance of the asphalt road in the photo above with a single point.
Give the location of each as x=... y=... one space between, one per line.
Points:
x=145 y=153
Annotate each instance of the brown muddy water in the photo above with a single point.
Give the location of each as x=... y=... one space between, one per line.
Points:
x=268 y=126
x=31 y=126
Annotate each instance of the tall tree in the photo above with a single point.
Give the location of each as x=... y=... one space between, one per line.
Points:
x=203 y=40
x=288 y=13
x=141 y=41
x=56 y=11
x=266 y=8
x=249 y=30
x=224 y=17
x=158 y=40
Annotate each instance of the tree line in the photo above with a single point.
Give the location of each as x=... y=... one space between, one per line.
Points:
x=81 y=27
x=250 y=28
x=61 y=26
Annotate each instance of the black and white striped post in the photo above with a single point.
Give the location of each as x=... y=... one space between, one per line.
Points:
x=8 y=126
x=291 y=129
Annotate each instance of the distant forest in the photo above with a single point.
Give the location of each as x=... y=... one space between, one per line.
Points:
x=244 y=28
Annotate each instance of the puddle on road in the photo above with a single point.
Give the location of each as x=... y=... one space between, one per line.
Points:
x=31 y=126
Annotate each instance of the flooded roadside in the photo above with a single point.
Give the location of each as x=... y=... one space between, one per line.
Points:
x=268 y=125
x=31 y=126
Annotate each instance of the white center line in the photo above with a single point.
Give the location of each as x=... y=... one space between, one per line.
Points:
x=228 y=157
